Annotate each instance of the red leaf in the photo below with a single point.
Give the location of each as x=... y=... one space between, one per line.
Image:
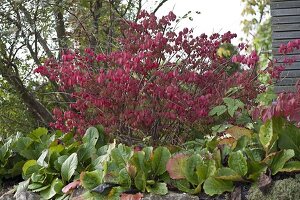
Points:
x=71 y=186
x=175 y=166
x=137 y=196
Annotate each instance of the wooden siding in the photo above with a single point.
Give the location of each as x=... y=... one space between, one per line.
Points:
x=285 y=27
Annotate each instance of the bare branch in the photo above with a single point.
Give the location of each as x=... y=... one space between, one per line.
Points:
x=159 y=5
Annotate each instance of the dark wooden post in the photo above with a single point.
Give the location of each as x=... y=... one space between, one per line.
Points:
x=285 y=27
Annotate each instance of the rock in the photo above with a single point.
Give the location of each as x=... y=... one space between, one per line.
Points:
x=170 y=196
x=27 y=195
x=8 y=195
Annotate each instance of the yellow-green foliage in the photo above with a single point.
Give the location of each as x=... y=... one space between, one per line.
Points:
x=286 y=189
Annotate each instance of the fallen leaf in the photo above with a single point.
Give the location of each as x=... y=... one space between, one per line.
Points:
x=137 y=196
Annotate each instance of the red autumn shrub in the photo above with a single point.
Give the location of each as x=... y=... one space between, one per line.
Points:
x=159 y=82
x=287 y=104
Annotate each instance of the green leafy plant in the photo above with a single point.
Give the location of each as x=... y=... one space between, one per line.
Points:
x=125 y=169
x=109 y=170
x=10 y=162
x=60 y=161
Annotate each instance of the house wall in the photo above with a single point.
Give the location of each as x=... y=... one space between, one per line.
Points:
x=285 y=27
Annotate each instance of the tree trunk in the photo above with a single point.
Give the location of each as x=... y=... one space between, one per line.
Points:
x=40 y=112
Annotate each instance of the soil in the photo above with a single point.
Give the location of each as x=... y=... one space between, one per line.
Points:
x=8 y=184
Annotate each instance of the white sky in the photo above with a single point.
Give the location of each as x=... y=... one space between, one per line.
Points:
x=216 y=15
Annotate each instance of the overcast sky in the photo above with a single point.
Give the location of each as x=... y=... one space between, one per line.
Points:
x=216 y=15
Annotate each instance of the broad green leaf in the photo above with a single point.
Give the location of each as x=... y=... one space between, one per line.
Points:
x=212 y=144
x=55 y=188
x=229 y=174
x=161 y=155
x=69 y=166
x=67 y=138
x=138 y=161
x=115 y=193
x=206 y=169
x=22 y=143
x=72 y=147
x=213 y=186
x=140 y=181
x=37 y=133
x=232 y=105
x=289 y=138
x=90 y=180
x=190 y=169
x=158 y=188
x=102 y=140
x=121 y=155
x=34 y=186
x=30 y=167
x=63 y=197
x=57 y=149
x=280 y=159
x=60 y=160
x=148 y=152
x=36 y=177
x=44 y=187
x=255 y=168
x=86 y=152
x=91 y=136
x=105 y=151
x=183 y=185
x=216 y=154
x=16 y=169
x=255 y=154
x=238 y=163
x=41 y=159
x=292 y=166
x=242 y=143
x=176 y=166
x=219 y=110
x=267 y=134
x=4 y=151
x=97 y=164
x=124 y=179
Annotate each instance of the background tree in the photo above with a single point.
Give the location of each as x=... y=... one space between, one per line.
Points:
x=33 y=30
x=257 y=26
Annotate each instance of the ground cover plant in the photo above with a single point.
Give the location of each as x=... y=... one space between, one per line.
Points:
x=108 y=170
x=184 y=111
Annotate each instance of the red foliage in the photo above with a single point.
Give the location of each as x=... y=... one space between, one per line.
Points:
x=286 y=105
x=159 y=81
x=71 y=186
